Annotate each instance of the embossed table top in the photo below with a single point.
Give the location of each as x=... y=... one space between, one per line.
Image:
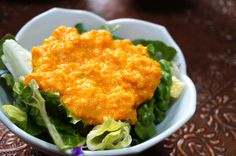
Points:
x=206 y=32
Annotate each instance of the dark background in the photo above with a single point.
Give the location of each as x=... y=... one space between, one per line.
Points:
x=206 y=32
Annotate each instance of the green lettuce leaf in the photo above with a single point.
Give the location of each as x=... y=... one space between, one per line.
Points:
x=70 y=128
x=177 y=87
x=110 y=135
x=153 y=112
x=53 y=100
x=70 y=134
x=30 y=126
x=32 y=97
x=157 y=49
x=80 y=28
x=162 y=94
x=145 y=128
x=112 y=29
x=16 y=115
x=30 y=101
x=58 y=130
x=58 y=111
x=6 y=37
x=16 y=59
x=9 y=80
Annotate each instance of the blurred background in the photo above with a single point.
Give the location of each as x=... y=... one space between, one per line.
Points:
x=205 y=30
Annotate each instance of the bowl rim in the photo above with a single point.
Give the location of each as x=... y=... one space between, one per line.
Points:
x=129 y=150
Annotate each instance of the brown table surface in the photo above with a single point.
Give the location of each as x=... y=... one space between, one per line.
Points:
x=206 y=32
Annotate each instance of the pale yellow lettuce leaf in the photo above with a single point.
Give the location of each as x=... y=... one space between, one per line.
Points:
x=110 y=135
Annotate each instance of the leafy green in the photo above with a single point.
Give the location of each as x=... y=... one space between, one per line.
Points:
x=114 y=37
x=29 y=125
x=41 y=118
x=177 y=87
x=32 y=97
x=6 y=37
x=58 y=130
x=9 y=80
x=61 y=117
x=111 y=29
x=159 y=115
x=53 y=100
x=152 y=112
x=80 y=28
x=16 y=115
x=110 y=135
x=162 y=94
x=145 y=127
x=19 y=86
x=70 y=134
x=16 y=59
x=157 y=49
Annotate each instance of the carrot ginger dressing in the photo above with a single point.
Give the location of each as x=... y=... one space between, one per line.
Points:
x=96 y=76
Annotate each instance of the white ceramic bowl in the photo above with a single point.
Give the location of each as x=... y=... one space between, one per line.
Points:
x=41 y=26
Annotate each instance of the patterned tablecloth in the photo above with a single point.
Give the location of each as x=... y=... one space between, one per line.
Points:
x=206 y=32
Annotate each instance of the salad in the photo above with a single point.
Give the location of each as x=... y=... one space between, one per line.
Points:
x=90 y=88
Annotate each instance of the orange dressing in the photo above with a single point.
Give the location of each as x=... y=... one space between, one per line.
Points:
x=95 y=75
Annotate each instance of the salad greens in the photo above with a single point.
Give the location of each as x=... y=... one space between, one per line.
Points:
x=80 y=28
x=157 y=49
x=32 y=97
x=110 y=135
x=30 y=104
x=110 y=29
x=6 y=37
x=153 y=112
x=16 y=115
x=145 y=127
x=177 y=87
x=44 y=114
x=9 y=79
x=16 y=59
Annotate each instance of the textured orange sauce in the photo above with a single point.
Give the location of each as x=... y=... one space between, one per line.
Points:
x=95 y=75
